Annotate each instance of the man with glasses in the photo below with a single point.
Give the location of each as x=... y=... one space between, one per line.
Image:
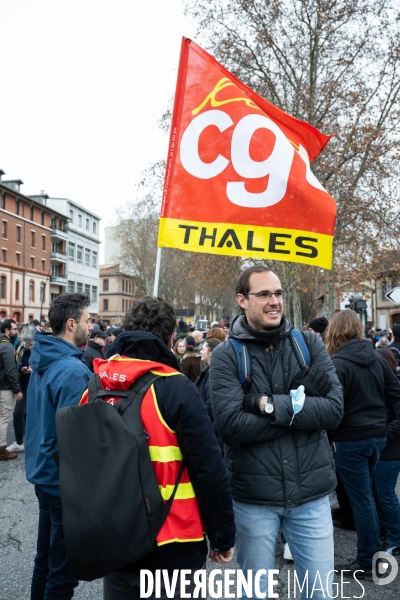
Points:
x=277 y=452
x=10 y=390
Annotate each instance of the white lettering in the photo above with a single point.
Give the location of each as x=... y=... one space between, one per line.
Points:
x=272 y=583
x=200 y=580
x=257 y=589
x=185 y=582
x=146 y=583
x=215 y=587
x=243 y=584
x=189 y=150
x=277 y=165
x=228 y=583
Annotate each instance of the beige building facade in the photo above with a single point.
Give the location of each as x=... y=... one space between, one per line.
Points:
x=117 y=293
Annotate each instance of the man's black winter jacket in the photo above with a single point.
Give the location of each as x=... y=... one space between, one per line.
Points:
x=92 y=351
x=8 y=369
x=274 y=461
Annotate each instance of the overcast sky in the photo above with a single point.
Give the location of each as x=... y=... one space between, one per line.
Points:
x=83 y=83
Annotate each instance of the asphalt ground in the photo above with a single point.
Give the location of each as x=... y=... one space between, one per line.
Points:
x=18 y=530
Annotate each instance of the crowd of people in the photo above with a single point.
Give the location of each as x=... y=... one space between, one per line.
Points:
x=316 y=411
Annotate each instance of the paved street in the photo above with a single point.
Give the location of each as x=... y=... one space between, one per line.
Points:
x=18 y=524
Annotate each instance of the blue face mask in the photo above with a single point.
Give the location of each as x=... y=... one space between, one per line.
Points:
x=298 y=397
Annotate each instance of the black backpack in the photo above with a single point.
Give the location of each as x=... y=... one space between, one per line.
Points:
x=111 y=503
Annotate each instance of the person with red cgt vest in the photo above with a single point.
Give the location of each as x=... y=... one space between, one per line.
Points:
x=174 y=416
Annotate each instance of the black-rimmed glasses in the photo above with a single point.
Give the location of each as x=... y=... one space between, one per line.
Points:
x=266 y=295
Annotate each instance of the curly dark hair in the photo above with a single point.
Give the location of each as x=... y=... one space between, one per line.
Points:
x=155 y=315
x=64 y=307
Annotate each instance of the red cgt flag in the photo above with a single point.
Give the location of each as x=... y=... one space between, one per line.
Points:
x=238 y=178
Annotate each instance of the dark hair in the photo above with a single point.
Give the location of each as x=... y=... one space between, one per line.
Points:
x=212 y=343
x=389 y=357
x=6 y=324
x=396 y=331
x=64 y=307
x=242 y=285
x=190 y=342
x=154 y=315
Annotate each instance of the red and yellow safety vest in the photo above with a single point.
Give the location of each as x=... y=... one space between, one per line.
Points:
x=183 y=523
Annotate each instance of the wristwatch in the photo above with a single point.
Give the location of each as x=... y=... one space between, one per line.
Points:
x=269 y=405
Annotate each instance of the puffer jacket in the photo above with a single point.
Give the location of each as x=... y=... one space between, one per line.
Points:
x=283 y=460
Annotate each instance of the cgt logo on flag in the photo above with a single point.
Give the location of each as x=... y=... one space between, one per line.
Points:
x=238 y=178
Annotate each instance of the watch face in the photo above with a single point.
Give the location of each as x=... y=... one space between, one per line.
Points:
x=269 y=408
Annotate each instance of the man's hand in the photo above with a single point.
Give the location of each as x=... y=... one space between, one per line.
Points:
x=221 y=557
x=316 y=381
x=18 y=396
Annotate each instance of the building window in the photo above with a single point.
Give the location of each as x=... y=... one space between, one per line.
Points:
x=3 y=286
x=32 y=213
x=32 y=262
x=3 y=201
x=4 y=255
x=87 y=224
x=42 y=218
x=42 y=291
x=32 y=239
x=123 y=286
x=94 y=227
x=4 y=230
x=105 y=304
x=43 y=242
x=43 y=264
x=18 y=258
x=94 y=293
x=79 y=288
x=17 y=207
x=79 y=220
x=17 y=290
x=32 y=291
x=87 y=257
x=71 y=251
x=71 y=287
x=105 y=285
x=94 y=259
x=79 y=253
x=72 y=215
x=18 y=234
x=87 y=289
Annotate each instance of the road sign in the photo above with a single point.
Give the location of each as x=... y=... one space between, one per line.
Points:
x=394 y=295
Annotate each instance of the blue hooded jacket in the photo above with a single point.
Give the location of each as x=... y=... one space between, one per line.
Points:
x=59 y=379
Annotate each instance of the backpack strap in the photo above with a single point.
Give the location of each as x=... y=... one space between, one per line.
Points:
x=300 y=348
x=94 y=387
x=243 y=360
x=136 y=394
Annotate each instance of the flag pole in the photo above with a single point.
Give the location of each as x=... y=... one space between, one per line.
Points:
x=157 y=274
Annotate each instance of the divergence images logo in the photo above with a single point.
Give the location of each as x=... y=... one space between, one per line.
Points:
x=384 y=568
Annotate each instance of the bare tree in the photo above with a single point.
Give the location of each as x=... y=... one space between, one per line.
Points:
x=335 y=64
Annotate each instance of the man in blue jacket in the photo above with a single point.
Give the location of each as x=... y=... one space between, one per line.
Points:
x=59 y=378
